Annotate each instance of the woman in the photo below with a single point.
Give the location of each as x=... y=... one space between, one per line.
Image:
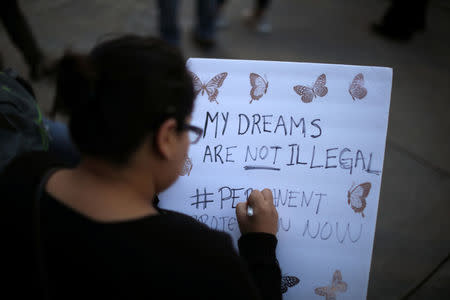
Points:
x=99 y=232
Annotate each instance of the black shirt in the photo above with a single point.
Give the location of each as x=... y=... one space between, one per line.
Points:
x=165 y=256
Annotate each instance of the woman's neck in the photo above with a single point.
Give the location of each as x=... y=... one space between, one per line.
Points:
x=104 y=192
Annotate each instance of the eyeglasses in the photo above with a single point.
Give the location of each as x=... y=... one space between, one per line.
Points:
x=195 y=133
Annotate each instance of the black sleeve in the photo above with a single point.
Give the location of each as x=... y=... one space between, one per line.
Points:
x=254 y=274
x=258 y=250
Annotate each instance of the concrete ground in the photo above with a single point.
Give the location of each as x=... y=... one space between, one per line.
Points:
x=413 y=227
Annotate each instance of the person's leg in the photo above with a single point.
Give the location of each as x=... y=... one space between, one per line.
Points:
x=204 y=32
x=221 y=3
x=257 y=17
x=418 y=13
x=261 y=7
x=402 y=19
x=168 y=21
x=221 y=21
x=21 y=35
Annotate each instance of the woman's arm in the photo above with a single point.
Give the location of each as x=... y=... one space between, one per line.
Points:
x=258 y=250
x=258 y=242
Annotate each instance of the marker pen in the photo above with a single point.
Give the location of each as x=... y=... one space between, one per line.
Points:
x=249 y=211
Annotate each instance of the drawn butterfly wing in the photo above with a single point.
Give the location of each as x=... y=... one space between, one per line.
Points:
x=366 y=186
x=337 y=276
x=187 y=167
x=358 y=195
x=212 y=95
x=319 y=87
x=290 y=280
x=287 y=282
x=358 y=80
x=337 y=283
x=212 y=87
x=362 y=190
x=305 y=92
x=197 y=83
x=259 y=86
x=357 y=89
x=341 y=286
x=355 y=197
x=322 y=291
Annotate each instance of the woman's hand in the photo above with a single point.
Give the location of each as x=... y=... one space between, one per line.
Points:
x=265 y=215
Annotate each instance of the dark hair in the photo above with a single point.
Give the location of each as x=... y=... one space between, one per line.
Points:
x=121 y=93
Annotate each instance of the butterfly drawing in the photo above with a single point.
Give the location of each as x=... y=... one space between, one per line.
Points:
x=287 y=282
x=337 y=285
x=309 y=93
x=187 y=167
x=357 y=197
x=211 y=88
x=259 y=86
x=357 y=89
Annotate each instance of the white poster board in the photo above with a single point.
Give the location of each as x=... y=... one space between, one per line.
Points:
x=315 y=135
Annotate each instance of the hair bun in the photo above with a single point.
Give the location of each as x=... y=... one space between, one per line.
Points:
x=75 y=83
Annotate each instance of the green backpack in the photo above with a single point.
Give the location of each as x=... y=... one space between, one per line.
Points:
x=21 y=125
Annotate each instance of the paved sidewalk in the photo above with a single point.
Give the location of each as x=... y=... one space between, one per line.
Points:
x=413 y=227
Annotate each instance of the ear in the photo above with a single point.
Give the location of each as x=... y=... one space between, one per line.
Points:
x=166 y=139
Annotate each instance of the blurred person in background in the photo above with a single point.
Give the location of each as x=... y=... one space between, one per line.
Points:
x=204 y=32
x=402 y=20
x=21 y=35
x=255 y=17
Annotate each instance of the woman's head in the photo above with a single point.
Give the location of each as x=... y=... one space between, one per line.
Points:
x=122 y=93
